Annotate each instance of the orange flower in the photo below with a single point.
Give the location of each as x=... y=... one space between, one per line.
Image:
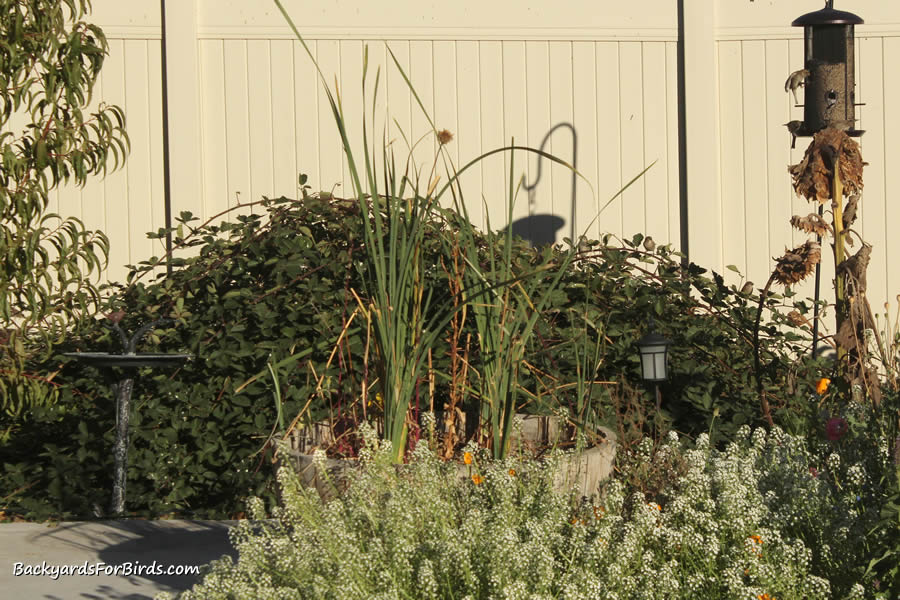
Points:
x=477 y=479
x=512 y=472
x=599 y=511
x=822 y=386
x=467 y=458
x=758 y=540
x=765 y=597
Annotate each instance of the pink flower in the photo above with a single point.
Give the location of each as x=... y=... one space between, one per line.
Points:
x=814 y=471
x=835 y=428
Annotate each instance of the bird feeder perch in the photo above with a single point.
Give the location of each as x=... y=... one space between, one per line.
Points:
x=828 y=50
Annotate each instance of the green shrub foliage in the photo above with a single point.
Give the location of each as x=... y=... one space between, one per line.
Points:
x=278 y=288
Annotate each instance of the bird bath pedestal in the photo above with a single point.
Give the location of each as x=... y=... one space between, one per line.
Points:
x=122 y=391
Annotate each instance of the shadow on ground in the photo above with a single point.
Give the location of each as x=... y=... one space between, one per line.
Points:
x=144 y=551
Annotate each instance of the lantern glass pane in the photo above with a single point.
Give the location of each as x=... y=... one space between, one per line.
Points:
x=653 y=362
x=660 y=366
x=647 y=366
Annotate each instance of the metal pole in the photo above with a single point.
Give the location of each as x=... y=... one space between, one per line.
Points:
x=167 y=187
x=815 y=331
x=122 y=392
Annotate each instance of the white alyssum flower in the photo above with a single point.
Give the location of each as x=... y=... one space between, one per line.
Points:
x=723 y=524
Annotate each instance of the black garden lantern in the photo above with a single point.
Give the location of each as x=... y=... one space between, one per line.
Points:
x=829 y=98
x=654 y=350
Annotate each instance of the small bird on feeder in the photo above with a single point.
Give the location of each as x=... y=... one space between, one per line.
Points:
x=649 y=244
x=795 y=80
x=794 y=127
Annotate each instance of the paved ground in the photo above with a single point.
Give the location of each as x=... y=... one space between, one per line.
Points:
x=127 y=544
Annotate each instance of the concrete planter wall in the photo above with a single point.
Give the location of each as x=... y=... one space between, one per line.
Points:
x=580 y=471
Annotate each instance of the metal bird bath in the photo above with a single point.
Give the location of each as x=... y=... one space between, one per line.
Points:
x=122 y=392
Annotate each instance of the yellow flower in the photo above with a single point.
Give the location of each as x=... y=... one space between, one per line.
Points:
x=822 y=386
x=477 y=479
x=467 y=458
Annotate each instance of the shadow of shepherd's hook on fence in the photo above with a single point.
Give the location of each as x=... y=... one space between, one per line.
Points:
x=541 y=229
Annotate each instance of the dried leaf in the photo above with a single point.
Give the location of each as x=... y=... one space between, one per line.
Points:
x=855 y=268
x=796 y=319
x=811 y=223
x=849 y=215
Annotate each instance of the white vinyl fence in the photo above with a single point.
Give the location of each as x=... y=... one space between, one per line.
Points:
x=247 y=114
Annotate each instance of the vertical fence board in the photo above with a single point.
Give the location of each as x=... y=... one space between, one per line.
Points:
x=237 y=150
x=121 y=211
x=399 y=107
x=330 y=153
x=560 y=143
x=756 y=168
x=353 y=104
x=779 y=110
x=259 y=119
x=139 y=194
x=421 y=75
x=584 y=109
x=468 y=98
x=672 y=152
x=306 y=111
x=631 y=117
x=214 y=131
x=609 y=135
x=284 y=147
x=494 y=177
x=731 y=109
x=537 y=76
x=445 y=107
x=653 y=57
x=155 y=143
x=515 y=121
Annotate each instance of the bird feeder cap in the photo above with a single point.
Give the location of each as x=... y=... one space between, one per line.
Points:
x=828 y=16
